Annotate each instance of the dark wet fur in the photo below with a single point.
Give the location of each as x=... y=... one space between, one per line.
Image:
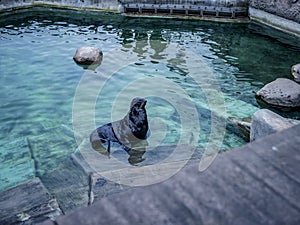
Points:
x=127 y=132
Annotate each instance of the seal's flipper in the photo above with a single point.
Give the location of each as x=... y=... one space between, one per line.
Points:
x=127 y=149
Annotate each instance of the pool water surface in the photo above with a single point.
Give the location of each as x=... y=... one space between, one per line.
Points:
x=39 y=81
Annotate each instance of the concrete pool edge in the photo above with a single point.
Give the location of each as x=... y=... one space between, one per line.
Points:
x=256 y=15
x=275 y=22
x=105 y=5
x=243 y=184
x=191 y=18
x=54 y=6
x=11 y=10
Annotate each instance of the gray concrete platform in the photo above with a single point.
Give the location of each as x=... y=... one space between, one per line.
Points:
x=27 y=203
x=256 y=184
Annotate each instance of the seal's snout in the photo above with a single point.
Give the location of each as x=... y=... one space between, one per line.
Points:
x=143 y=103
x=138 y=103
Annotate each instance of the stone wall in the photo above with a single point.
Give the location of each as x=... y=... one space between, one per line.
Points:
x=288 y=9
x=80 y=4
x=279 y=14
x=283 y=15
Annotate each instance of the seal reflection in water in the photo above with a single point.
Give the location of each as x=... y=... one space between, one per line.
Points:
x=129 y=132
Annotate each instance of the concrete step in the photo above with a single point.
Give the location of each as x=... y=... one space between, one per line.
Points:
x=69 y=184
x=257 y=184
x=16 y=163
x=51 y=148
x=27 y=203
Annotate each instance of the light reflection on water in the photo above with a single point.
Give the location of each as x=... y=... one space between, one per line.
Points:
x=39 y=78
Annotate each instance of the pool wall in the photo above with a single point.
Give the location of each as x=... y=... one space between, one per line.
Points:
x=107 y=5
x=281 y=14
x=202 y=8
x=288 y=9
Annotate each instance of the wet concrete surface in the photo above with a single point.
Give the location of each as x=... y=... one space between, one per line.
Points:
x=255 y=184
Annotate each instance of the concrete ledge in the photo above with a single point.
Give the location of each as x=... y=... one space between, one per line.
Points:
x=274 y=21
x=27 y=203
x=100 y=5
x=255 y=184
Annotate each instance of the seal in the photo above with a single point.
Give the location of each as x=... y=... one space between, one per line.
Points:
x=130 y=130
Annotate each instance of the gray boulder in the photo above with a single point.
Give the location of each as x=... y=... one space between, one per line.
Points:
x=265 y=122
x=88 y=56
x=282 y=92
x=296 y=72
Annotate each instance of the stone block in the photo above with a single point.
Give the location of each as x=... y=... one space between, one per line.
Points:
x=16 y=163
x=69 y=184
x=51 y=148
x=27 y=203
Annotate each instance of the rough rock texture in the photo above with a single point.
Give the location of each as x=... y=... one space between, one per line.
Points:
x=265 y=122
x=289 y=9
x=88 y=56
x=296 y=72
x=282 y=92
x=27 y=203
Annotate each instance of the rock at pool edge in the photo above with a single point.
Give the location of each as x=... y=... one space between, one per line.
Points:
x=265 y=122
x=282 y=93
x=296 y=72
x=88 y=56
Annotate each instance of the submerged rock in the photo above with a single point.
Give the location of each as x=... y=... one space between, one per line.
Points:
x=282 y=93
x=296 y=72
x=88 y=56
x=265 y=122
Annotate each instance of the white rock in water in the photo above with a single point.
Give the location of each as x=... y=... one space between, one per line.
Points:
x=265 y=122
x=282 y=92
x=296 y=72
x=88 y=56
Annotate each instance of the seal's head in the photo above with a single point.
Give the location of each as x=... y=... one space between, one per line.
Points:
x=138 y=102
x=138 y=121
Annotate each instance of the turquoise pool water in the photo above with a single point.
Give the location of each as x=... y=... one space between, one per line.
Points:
x=39 y=79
